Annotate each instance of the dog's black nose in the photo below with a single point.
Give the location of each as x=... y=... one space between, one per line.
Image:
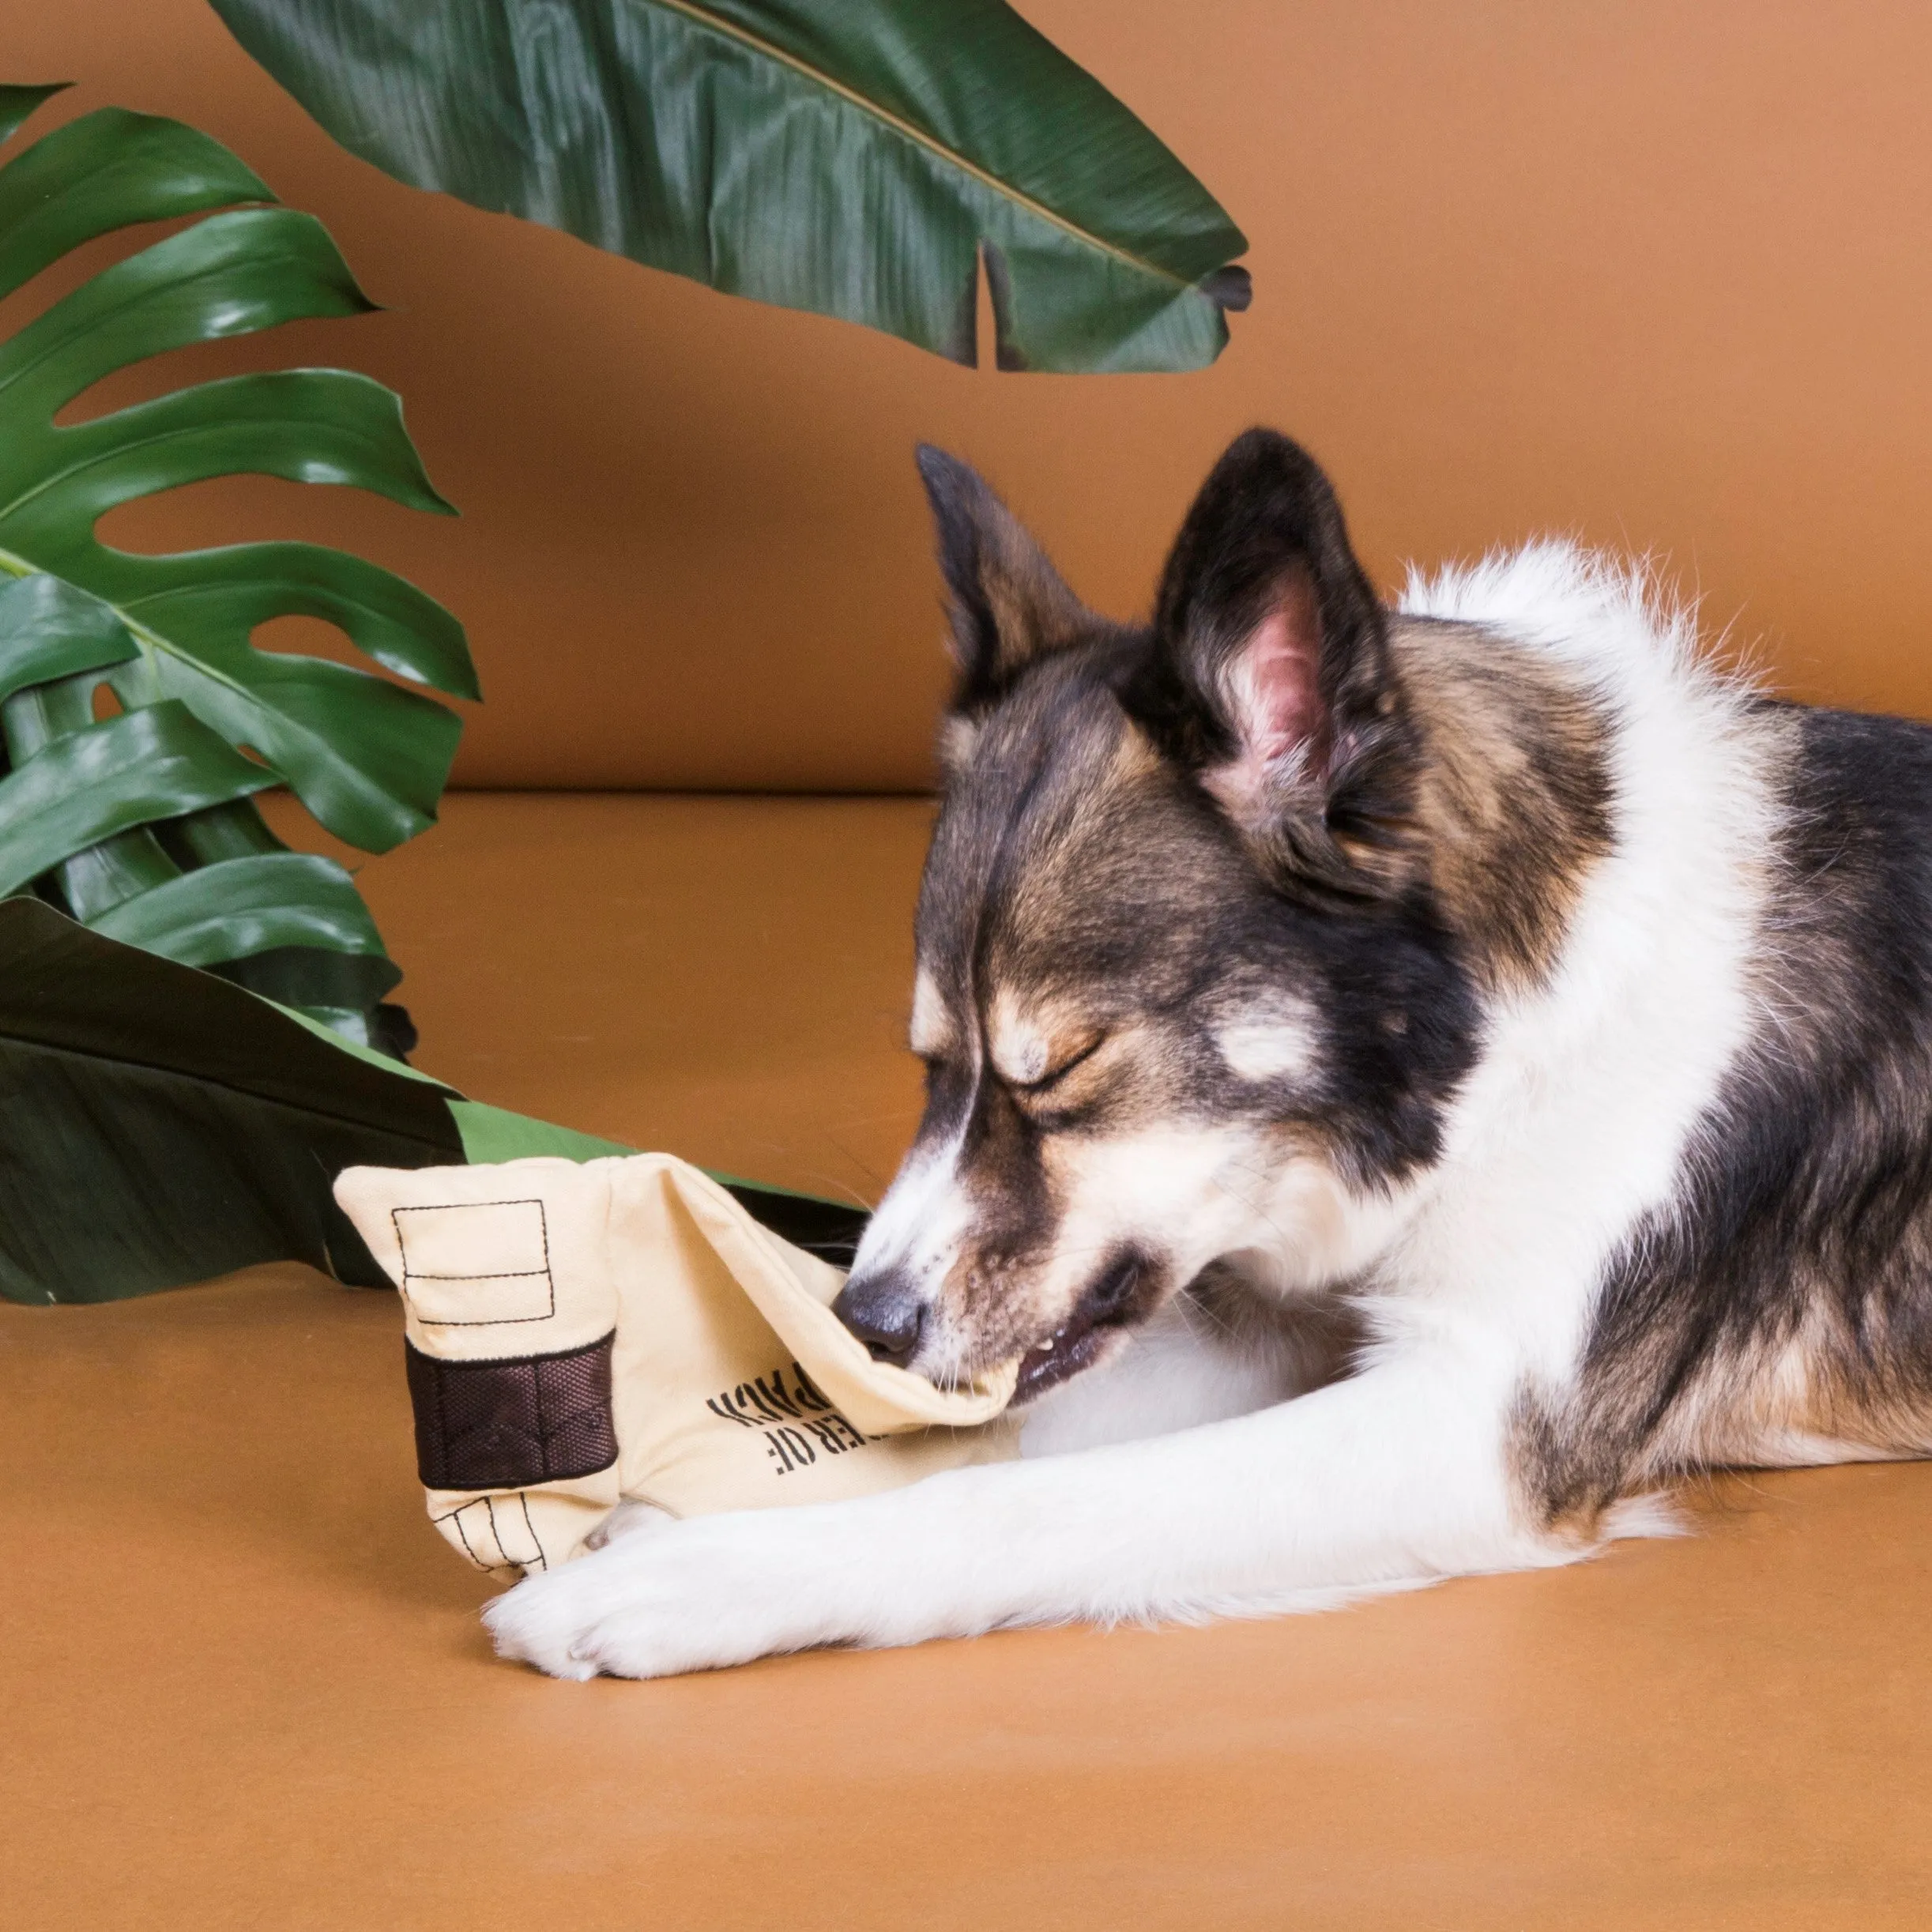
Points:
x=884 y=1311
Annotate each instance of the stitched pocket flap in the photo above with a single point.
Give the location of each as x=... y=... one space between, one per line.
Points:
x=466 y=1264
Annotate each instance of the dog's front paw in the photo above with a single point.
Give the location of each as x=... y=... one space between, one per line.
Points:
x=684 y=1596
x=540 y=1620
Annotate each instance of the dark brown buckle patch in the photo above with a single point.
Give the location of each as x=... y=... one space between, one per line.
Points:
x=508 y=1423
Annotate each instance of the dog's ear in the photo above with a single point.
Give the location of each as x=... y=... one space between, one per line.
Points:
x=1007 y=603
x=1271 y=680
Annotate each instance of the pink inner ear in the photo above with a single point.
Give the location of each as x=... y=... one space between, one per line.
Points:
x=1272 y=687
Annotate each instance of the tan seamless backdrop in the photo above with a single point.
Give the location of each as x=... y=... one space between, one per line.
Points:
x=1656 y=274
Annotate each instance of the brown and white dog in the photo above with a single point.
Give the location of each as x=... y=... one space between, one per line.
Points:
x=1408 y=1082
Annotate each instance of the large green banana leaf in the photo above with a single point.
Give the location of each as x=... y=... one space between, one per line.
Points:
x=856 y=157
x=160 y=1126
x=141 y=824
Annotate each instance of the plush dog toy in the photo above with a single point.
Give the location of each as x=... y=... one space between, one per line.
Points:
x=584 y=1334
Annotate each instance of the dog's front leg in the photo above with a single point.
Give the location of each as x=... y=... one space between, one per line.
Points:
x=1398 y=1474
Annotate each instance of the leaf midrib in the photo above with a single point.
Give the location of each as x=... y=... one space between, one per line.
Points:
x=908 y=130
x=150 y=640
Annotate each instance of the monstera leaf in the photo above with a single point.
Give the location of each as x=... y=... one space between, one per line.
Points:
x=139 y=822
x=857 y=157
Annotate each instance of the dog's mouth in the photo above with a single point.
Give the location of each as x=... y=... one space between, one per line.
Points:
x=1116 y=1300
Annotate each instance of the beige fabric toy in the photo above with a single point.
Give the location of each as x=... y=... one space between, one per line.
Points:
x=581 y=1334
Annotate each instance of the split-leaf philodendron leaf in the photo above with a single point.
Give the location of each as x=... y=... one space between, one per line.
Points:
x=169 y=1126
x=140 y=822
x=855 y=157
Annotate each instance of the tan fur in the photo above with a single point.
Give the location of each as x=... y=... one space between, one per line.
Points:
x=1033 y=611
x=1029 y=1041
x=959 y=735
x=1513 y=795
x=1129 y=764
x=1816 y=1395
x=931 y=1032
x=1779 y=1405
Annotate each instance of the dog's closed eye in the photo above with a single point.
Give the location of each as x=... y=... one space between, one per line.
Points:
x=1033 y=1048
x=1044 y=1082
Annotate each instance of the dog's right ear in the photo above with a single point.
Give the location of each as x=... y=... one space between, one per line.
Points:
x=1270 y=682
x=1007 y=604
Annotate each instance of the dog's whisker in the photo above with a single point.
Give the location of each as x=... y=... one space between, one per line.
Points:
x=831 y=1185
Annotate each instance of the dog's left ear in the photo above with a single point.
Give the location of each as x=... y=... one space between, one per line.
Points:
x=1270 y=678
x=1008 y=606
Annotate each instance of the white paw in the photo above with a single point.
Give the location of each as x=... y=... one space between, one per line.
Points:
x=688 y=1596
x=538 y=1621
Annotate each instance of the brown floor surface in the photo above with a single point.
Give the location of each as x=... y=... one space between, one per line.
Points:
x=242 y=1682
x=728 y=978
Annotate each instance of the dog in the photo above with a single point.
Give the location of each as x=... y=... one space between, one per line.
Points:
x=1408 y=1084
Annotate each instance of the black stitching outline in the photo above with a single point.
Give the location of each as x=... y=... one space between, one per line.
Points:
x=506 y=1321
x=510 y=1562
x=536 y=1542
x=501 y=1274
x=455 y=1515
x=489 y=1504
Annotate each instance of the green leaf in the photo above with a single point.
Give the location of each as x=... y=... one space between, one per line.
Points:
x=143 y=827
x=224 y=593
x=366 y=758
x=856 y=158
x=243 y=906
x=49 y=630
x=321 y=981
x=54 y=640
x=492 y=1134
x=130 y=770
x=232 y=275
x=159 y=1126
x=99 y=173
x=17 y=102
x=307 y=425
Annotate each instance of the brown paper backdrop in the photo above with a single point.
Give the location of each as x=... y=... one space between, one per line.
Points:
x=1656 y=274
